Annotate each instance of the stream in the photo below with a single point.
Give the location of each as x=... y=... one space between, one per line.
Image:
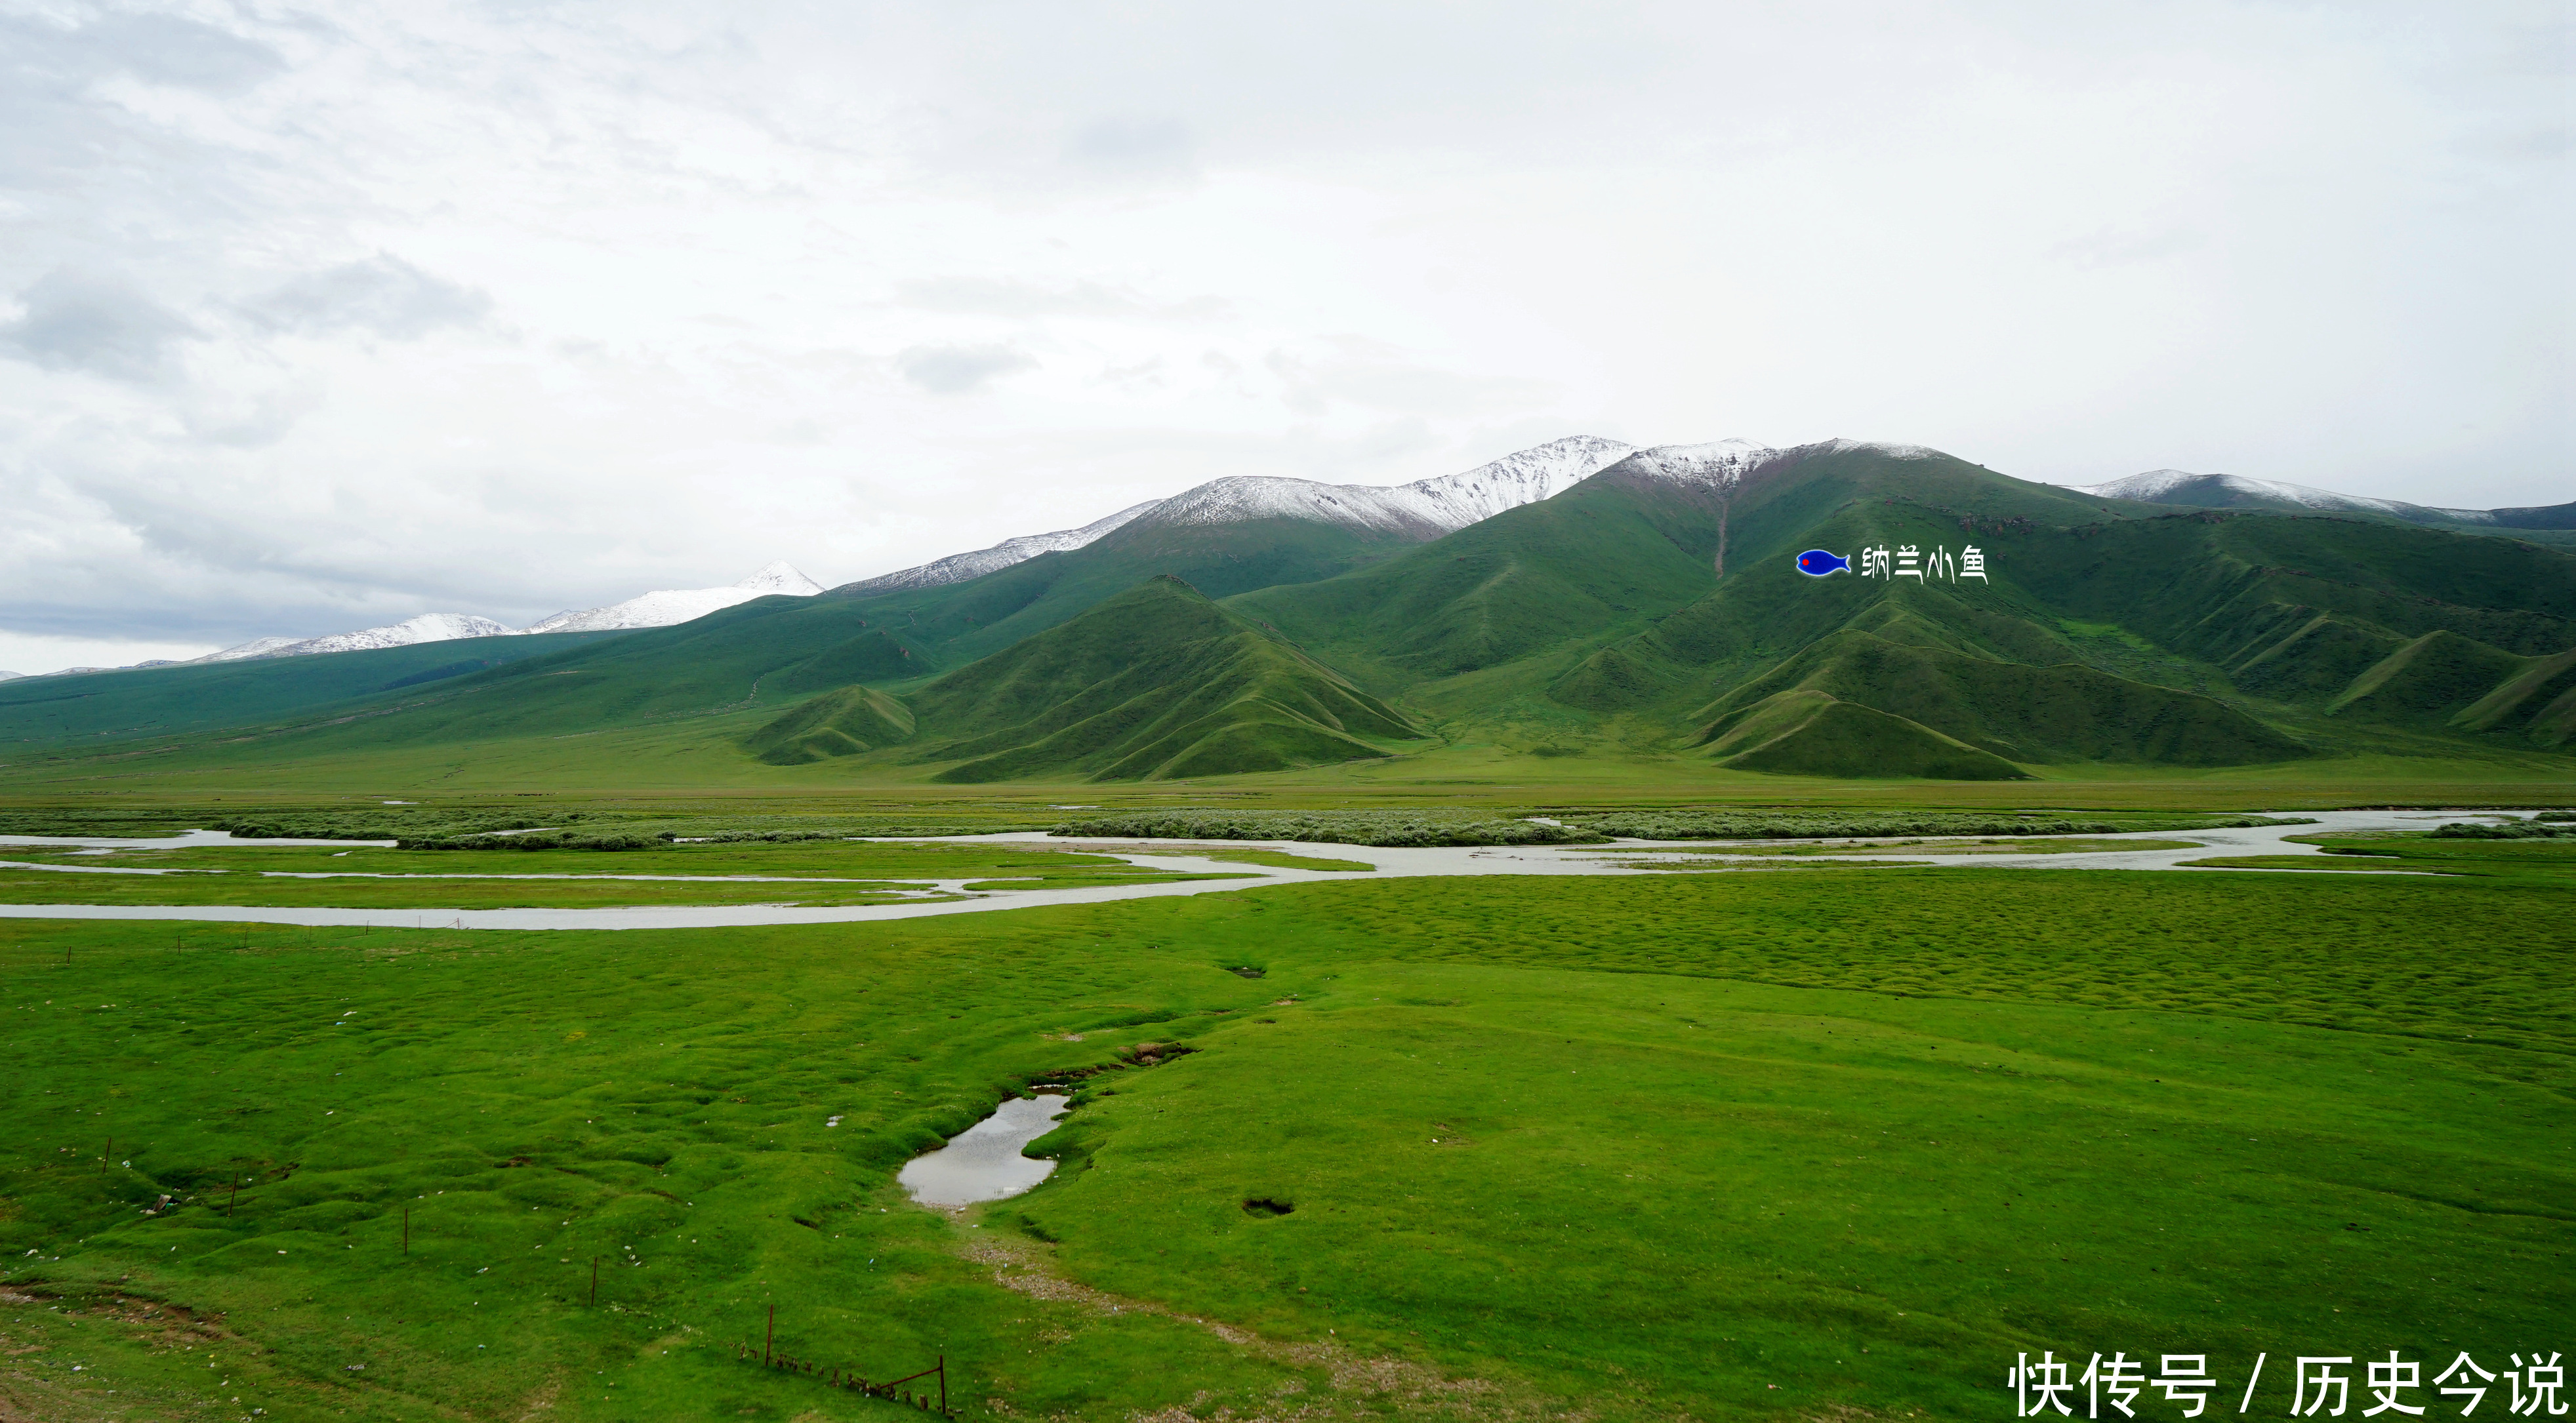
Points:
x=1621 y=857
x=983 y=1162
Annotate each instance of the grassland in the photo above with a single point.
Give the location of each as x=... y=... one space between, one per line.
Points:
x=1630 y=1148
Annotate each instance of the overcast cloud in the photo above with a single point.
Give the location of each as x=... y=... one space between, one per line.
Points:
x=324 y=316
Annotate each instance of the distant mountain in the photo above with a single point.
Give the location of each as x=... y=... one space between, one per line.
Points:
x=651 y=610
x=428 y=627
x=958 y=567
x=1224 y=537
x=669 y=606
x=2233 y=491
x=1424 y=509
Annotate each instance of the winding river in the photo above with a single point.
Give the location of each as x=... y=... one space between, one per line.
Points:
x=1619 y=858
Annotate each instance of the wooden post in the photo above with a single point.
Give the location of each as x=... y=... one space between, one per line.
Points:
x=108 y=1156
x=233 y=1196
x=594 y=1279
x=771 y=1335
x=943 y=1383
x=406 y=1229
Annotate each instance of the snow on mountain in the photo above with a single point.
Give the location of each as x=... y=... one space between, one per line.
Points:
x=652 y=610
x=11 y=676
x=666 y=606
x=428 y=627
x=958 y=567
x=1720 y=462
x=256 y=647
x=2220 y=491
x=780 y=577
x=1424 y=509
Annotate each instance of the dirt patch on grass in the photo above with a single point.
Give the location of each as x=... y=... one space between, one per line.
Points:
x=1361 y=1386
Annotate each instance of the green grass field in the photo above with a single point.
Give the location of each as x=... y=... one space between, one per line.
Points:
x=1708 y=1146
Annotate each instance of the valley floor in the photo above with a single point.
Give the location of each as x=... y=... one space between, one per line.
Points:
x=1540 y=1136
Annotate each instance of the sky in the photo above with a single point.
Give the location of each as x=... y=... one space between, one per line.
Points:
x=317 y=316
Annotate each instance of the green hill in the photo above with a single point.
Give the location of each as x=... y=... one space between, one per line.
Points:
x=956 y=623
x=850 y=722
x=165 y=700
x=1156 y=683
x=1609 y=558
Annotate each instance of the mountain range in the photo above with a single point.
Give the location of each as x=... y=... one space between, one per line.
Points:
x=2230 y=491
x=1582 y=599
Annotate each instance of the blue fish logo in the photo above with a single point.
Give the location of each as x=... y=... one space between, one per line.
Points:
x=1816 y=563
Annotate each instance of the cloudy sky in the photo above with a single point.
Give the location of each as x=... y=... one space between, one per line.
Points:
x=320 y=315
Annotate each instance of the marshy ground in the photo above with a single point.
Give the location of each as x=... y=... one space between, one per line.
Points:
x=1609 y=1146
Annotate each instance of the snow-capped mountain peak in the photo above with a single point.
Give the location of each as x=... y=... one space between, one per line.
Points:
x=1719 y=462
x=1424 y=509
x=958 y=567
x=2181 y=486
x=428 y=627
x=665 y=606
x=656 y=609
x=777 y=576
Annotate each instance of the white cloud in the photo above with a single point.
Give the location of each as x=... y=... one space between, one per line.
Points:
x=98 y=325
x=383 y=294
x=955 y=370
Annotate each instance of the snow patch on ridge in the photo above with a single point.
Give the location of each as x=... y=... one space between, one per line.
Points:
x=958 y=567
x=664 y=607
x=1424 y=509
x=428 y=627
x=2162 y=486
x=660 y=608
x=1719 y=462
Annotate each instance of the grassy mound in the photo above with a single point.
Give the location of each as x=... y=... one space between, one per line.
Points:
x=2430 y=678
x=1153 y=684
x=2066 y=712
x=847 y=722
x=1813 y=733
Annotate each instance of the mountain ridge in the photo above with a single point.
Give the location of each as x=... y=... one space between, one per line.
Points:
x=2234 y=491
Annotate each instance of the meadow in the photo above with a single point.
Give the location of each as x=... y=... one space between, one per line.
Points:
x=1708 y=1146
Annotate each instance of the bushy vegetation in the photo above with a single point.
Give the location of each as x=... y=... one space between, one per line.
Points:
x=425 y=824
x=1392 y=828
x=2539 y=827
x=540 y=840
x=1800 y=825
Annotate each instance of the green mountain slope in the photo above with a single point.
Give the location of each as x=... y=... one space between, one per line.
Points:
x=2168 y=640
x=1813 y=733
x=850 y=722
x=1156 y=683
x=954 y=624
x=165 y=700
x=1609 y=558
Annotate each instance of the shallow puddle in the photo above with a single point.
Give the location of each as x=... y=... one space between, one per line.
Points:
x=983 y=1162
